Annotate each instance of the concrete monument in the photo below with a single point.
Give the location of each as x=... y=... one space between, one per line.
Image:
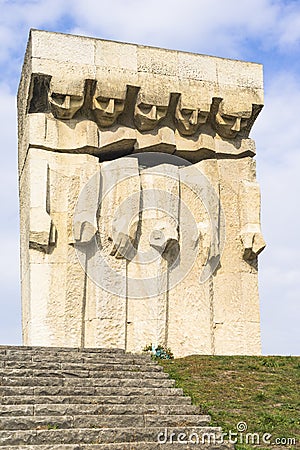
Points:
x=140 y=209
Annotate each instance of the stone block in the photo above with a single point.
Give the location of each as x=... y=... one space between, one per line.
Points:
x=116 y=55
x=192 y=66
x=239 y=73
x=62 y=47
x=157 y=61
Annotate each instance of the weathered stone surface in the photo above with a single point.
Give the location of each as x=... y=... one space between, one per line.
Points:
x=158 y=249
x=99 y=435
x=122 y=446
x=86 y=409
x=140 y=209
x=95 y=399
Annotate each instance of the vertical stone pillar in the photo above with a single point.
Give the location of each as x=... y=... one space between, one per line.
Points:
x=148 y=271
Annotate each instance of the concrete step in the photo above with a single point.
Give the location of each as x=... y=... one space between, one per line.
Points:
x=86 y=390
x=77 y=358
x=103 y=421
x=90 y=382
x=66 y=409
x=102 y=435
x=60 y=352
x=94 y=399
x=18 y=368
x=41 y=349
x=80 y=368
x=124 y=446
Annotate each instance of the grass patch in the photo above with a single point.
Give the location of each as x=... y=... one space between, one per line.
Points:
x=261 y=391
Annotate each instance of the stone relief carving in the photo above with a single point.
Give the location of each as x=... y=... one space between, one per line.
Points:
x=120 y=203
x=231 y=121
x=147 y=117
x=162 y=186
x=85 y=226
x=107 y=110
x=42 y=232
x=65 y=106
x=188 y=120
x=228 y=121
x=251 y=235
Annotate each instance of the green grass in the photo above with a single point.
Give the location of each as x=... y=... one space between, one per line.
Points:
x=261 y=391
x=52 y=426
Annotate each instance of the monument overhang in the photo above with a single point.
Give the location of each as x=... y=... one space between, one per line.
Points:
x=110 y=99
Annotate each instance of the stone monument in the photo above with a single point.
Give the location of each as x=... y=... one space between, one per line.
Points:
x=140 y=209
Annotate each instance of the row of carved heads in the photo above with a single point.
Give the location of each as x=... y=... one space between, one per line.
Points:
x=133 y=111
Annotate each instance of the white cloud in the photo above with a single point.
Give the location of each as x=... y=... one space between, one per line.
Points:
x=195 y=25
x=290 y=26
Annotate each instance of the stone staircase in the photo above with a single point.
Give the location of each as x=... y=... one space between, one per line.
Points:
x=73 y=399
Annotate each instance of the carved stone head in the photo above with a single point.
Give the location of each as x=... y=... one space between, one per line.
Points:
x=107 y=110
x=147 y=117
x=188 y=120
x=229 y=122
x=65 y=106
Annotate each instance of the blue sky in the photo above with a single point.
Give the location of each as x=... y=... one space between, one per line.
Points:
x=265 y=31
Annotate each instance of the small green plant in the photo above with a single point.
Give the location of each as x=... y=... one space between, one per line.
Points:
x=159 y=351
x=52 y=426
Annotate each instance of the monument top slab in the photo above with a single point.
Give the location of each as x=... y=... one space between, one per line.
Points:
x=81 y=50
